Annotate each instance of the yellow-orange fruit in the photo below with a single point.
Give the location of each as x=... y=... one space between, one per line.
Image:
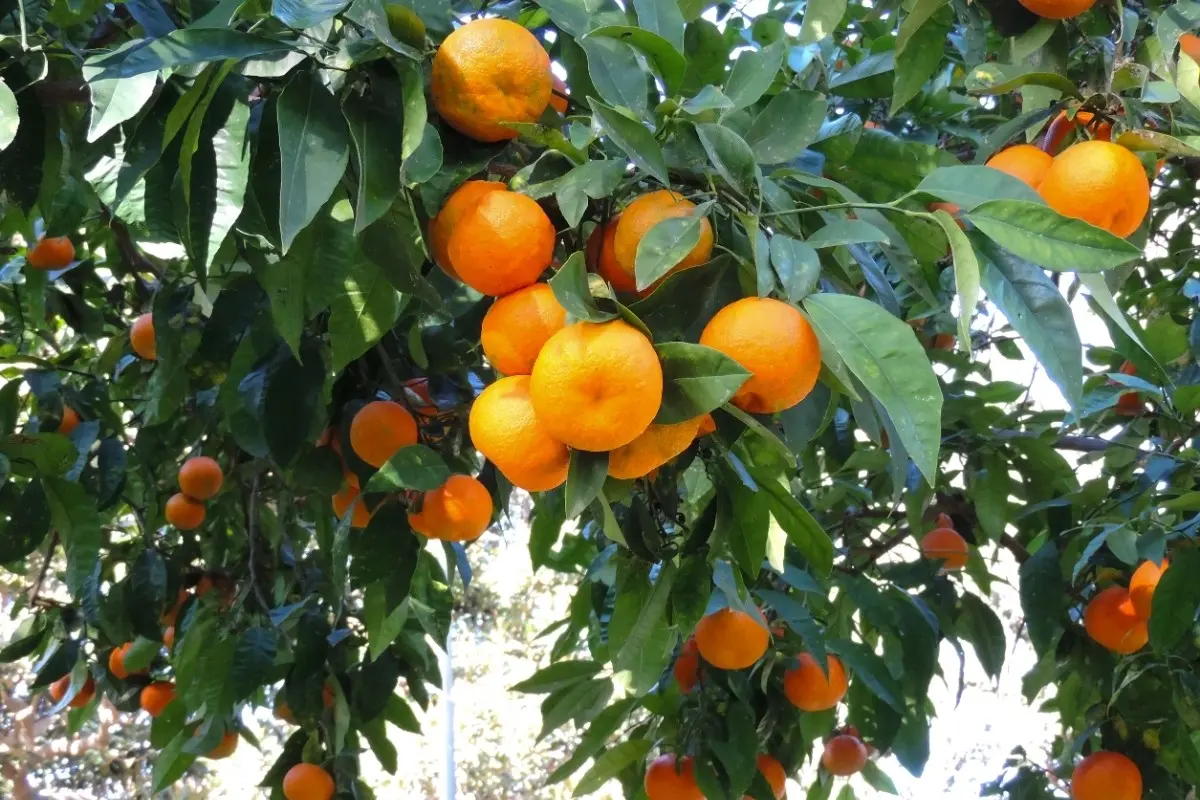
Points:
x=518 y=325
x=156 y=697
x=1105 y=775
x=732 y=639
x=687 y=666
x=1112 y=621
x=52 y=252
x=225 y=748
x=1142 y=585
x=1024 y=162
x=308 y=782
x=506 y=430
x=459 y=510
x=503 y=244
x=668 y=778
x=597 y=386
x=380 y=429
x=488 y=72
x=947 y=546
x=184 y=513
x=1189 y=45
x=69 y=422
x=602 y=258
x=459 y=204
x=169 y=637
x=116 y=662
x=341 y=504
x=772 y=770
x=657 y=445
x=809 y=688
x=200 y=478
x=141 y=337
x=1101 y=183
x=775 y=343
x=58 y=690
x=707 y=425
x=644 y=213
x=844 y=755
x=1058 y=9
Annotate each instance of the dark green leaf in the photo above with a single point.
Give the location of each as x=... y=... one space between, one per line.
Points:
x=584 y=480
x=183 y=47
x=570 y=287
x=114 y=100
x=604 y=726
x=632 y=137
x=609 y=764
x=291 y=396
x=1045 y=237
x=664 y=246
x=1042 y=597
x=73 y=514
x=558 y=676
x=662 y=17
x=363 y=311
x=871 y=670
x=978 y=624
x=970 y=187
x=172 y=762
x=696 y=380
x=28 y=523
x=754 y=72
x=996 y=78
x=921 y=59
x=616 y=72
x=252 y=660
x=797 y=265
x=647 y=648
x=313 y=151
x=787 y=126
x=801 y=528
x=1173 y=609
x=846 y=231
x=732 y=157
x=413 y=467
x=664 y=55
x=372 y=15
x=376 y=160
x=303 y=14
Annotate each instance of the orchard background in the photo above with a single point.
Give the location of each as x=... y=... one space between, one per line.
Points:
x=760 y=301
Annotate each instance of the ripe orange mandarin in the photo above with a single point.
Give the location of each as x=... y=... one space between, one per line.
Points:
x=184 y=513
x=169 y=636
x=707 y=425
x=308 y=782
x=458 y=205
x=346 y=496
x=506 y=430
x=1142 y=585
x=116 y=662
x=517 y=326
x=58 y=690
x=503 y=244
x=809 y=688
x=156 y=697
x=200 y=478
x=69 y=422
x=657 y=445
x=775 y=343
x=844 y=755
x=141 y=337
x=597 y=386
x=459 y=510
x=647 y=211
x=687 y=666
x=772 y=770
x=668 y=778
x=1106 y=775
x=1101 y=183
x=602 y=258
x=732 y=639
x=487 y=72
x=1023 y=161
x=380 y=429
x=52 y=252
x=1189 y=45
x=1058 y=9
x=947 y=546
x=1112 y=621
x=225 y=748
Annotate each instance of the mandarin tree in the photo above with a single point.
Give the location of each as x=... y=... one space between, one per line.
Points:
x=774 y=308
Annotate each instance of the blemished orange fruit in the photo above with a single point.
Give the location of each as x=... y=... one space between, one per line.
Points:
x=772 y=770
x=647 y=211
x=1142 y=585
x=116 y=662
x=732 y=639
x=597 y=386
x=69 y=422
x=1024 y=162
x=200 y=478
x=169 y=636
x=141 y=337
x=1058 y=9
x=1112 y=621
x=506 y=430
x=503 y=244
x=487 y=72
x=844 y=755
x=226 y=746
x=602 y=258
x=1101 y=183
x=668 y=778
x=380 y=429
x=51 y=252
x=58 y=690
x=459 y=510
x=947 y=546
x=341 y=504
x=558 y=94
x=687 y=666
x=809 y=688
x=459 y=204
x=156 y=697
x=183 y=512
x=1105 y=775
x=517 y=326
x=1189 y=45
x=775 y=343
x=308 y=782
x=657 y=445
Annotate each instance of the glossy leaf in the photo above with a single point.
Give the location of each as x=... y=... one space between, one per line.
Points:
x=966 y=274
x=970 y=187
x=696 y=380
x=632 y=137
x=787 y=126
x=413 y=467
x=313 y=150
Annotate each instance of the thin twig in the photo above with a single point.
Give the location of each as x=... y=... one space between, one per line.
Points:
x=251 y=533
x=36 y=589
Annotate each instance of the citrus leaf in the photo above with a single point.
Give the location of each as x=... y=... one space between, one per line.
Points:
x=966 y=274
x=754 y=72
x=821 y=19
x=610 y=764
x=664 y=18
x=184 y=47
x=1173 y=608
x=664 y=246
x=616 y=72
x=557 y=676
x=970 y=187
x=413 y=467
x=846 y=231
x=1042 y=597
x=585 y=477
x=696 y=380
x=570 y=286
x=1045 y=237
x=732 y=157
x=314 y=149
x=376 y=160
x=797 y=265
x=787 y=126
x=632 y=137
x=996 y=78
x=665 y=55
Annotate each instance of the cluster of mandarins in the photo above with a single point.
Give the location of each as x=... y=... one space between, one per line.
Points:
x=1117 y=617
x=200 y=480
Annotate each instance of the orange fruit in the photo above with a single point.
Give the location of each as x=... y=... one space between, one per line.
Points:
x=772 y=770
x=732 y=639
x=657 y=445
x=1112 y=621
x=602 y=258
x=308 y=782
x=200 y=478
x=283 y=711
x=668 y=778
x=380 y=429
x=1101 y=183
x=51 y=252
x=168 y=618
x=1129 y=404
x=459 y=510
x=687 y=666
x=1023 y=161
x=184 y=513
x=460 y=203
x=844 y=755
x=1106 y=775
x=597 y=386
x=558 y=94
x=502 y=244
x=487 y=72
x=506 y=430
x=707 y=425
x=169 y=636
x=947 y=546
x=775 y=343
x=227 y=745
x=1058 y=9
x=810 y=689
x=1189 y=44
x=141 y=337
x=647 y=211
x=341 y=504
x=517 y=326
x=1142 y=585
x=156 y=697
x=58 y=690
x=69 y=422
x=944 y=341
x=116 y=662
